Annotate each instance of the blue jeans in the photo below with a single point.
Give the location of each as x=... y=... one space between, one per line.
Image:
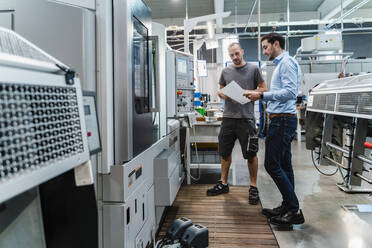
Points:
x=278 y=158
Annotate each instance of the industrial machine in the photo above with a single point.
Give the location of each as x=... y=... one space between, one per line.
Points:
x=338 y=123
x=129 y=200
x=322 y=42
x=43 y=142
x=128 y=191
x=42 y=122
x=123 y=174
x=146 y=175
x=168 y=171
x=133 y=98
x=136 y=193
x=180 y=81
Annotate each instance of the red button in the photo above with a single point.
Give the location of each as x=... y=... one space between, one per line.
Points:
x=89 y=134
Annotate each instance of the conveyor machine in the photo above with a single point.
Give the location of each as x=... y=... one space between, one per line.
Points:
x=338 y=128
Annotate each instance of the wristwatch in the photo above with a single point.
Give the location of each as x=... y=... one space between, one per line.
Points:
x=261 y=95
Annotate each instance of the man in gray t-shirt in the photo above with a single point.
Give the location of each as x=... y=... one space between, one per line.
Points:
x=248 y=77
x=238 y=121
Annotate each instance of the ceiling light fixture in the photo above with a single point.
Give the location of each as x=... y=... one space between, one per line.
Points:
x=211 y=31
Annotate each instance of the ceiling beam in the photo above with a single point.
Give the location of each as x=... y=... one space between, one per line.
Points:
x=328 y=10
x=343 y=15
x=275 y=24
x=219 y=8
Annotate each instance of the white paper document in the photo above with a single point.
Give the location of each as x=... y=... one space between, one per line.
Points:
x=364 y=208
x=235 y=92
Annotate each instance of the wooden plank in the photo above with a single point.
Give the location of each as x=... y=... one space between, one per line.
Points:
x=231 y=221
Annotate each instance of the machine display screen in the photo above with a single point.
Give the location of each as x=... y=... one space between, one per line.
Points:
x=86 y=110
x=181 y=65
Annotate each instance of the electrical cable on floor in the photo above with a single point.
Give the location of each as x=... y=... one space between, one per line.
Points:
x=166 y=242
x=319 y=170
x=186 y=158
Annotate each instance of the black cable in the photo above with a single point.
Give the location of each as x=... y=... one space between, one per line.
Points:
x=162 y=243
x=346 y=177
x=319 y=170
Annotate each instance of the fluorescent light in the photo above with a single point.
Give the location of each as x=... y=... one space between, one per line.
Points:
x=211 y=31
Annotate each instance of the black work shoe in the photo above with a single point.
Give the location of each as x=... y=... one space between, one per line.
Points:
x=218 y=189
x=288 y=219
x=253 y=195
x=278 y=211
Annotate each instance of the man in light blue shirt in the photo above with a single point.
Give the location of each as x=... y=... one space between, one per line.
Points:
x=284 y=86
x=281 y=106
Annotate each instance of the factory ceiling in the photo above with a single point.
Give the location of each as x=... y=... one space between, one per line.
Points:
x=176 y=8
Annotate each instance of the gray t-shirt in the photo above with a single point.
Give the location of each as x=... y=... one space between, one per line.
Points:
x=248 y=77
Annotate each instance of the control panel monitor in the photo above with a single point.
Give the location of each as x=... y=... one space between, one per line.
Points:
x=91 y=120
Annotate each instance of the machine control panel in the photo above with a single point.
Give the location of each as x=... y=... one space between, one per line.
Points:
x=184 y=83
x=180 y=83
x=91 y=122
x=184 y=101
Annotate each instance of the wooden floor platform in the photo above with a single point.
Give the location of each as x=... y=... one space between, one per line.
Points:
x=231 y=221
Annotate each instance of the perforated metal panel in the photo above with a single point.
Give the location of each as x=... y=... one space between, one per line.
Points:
x=38 y=124
x=13 y=44
x=42 y=129
x=324 y=102
x=350 y=96
x=355 y=102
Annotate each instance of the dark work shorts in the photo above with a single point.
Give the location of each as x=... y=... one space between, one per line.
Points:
x=242 y=129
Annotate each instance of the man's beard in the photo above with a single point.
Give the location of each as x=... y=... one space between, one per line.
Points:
x=237 y=61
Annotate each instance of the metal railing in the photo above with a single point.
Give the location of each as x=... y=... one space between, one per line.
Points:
x=360 y=157
x=338 y=148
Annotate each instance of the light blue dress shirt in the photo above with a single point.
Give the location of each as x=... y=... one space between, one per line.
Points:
x=285 y=82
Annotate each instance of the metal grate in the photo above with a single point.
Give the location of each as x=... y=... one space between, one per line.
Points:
x=324 y=101
x=10 y=43
x=355 y=102
x=39 y=125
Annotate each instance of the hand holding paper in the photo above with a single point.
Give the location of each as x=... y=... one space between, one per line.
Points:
x=252 y=95
x=235 y=92
x=222 y=96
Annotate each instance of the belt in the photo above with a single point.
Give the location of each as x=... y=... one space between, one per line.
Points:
x=271 y=116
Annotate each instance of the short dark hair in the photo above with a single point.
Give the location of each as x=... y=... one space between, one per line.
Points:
x=272 y=37
x=235 y=44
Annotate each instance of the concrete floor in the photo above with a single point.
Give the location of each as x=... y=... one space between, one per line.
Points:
x=327 y=223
